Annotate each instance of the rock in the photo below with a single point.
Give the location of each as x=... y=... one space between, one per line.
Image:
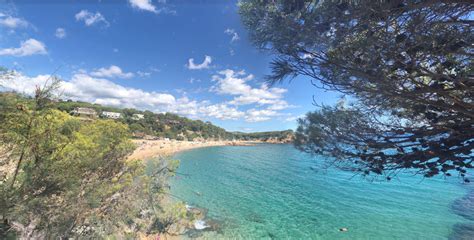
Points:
x=465 y=206
x=462 y=231
x=176 y=229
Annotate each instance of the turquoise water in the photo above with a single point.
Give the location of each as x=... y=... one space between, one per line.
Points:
x=274 y=192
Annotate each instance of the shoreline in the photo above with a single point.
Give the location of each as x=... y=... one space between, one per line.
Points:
x=147 y=149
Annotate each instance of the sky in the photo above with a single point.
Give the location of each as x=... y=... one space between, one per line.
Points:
x=192 y=58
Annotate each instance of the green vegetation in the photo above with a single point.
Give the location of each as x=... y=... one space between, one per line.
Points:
x=163 y=125
x=62 y=177
x=275 y=135
x=406 y=64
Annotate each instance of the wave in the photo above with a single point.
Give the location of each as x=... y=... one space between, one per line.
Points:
x=200 y=225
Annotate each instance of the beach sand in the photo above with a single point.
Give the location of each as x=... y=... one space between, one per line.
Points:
x=147 y=149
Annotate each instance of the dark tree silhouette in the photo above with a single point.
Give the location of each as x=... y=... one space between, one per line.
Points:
x=407 y=64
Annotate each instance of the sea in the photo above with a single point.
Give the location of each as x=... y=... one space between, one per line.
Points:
x=272 y=191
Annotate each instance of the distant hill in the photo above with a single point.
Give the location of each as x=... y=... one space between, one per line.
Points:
x=166 y=125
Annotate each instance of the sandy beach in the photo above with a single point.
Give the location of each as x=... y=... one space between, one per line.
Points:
x=154 y=148
x=147 y=149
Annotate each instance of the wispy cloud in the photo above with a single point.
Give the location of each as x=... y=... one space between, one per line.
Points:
x=143 y=74
x=27 y=48
x=206 y=64
x=233 y=33
x=12 y=22
x=90 y=18
x=60 y=33
x=193 y=80
x=294 y=118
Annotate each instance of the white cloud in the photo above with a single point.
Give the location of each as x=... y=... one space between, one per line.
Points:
x=27 y=48
x=233 y=33
x=91 y=18
x=143 y=74
x=148 y=72
x=105 y=92
x=97 y=90
x=294 y=118
x=193 y=80
x=277 y=104
x=111 y=72
x=143 y=5
x=147 y=5
x=254 y=115
x=235 y=83
x=85 y=87
x=192 y=66
x=23 y=84
x=222 y=112
x=60 y=33
x=12 y=22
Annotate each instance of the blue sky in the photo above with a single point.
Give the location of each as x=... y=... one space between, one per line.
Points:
x=193 y=59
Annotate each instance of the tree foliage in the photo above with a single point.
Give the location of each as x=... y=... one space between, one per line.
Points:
x=63 y=177
x=407 y=65
x=165 y=125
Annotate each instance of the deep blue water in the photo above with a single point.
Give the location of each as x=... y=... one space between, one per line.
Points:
x=277 y=192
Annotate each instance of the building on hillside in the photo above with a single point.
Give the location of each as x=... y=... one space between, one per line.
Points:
x=137 y=116
x=138 y=134
x=111 y=115
x=84 y=112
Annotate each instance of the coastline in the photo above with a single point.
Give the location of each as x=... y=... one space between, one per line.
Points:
x=147 y=149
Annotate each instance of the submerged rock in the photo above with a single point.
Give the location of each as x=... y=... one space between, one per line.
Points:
x=194 y=233
x=465 y=206
x=254 y=217
x=462 y=232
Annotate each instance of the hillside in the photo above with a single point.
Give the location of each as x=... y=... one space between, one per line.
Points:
x=164 y=125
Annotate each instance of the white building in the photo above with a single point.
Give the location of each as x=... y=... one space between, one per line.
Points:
x=84 y=112
x=137 y=116
x=112 y=115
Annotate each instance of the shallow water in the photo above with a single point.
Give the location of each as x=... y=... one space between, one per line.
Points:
x=273 y=192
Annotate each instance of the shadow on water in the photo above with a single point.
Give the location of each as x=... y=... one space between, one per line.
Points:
x=464 y=207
